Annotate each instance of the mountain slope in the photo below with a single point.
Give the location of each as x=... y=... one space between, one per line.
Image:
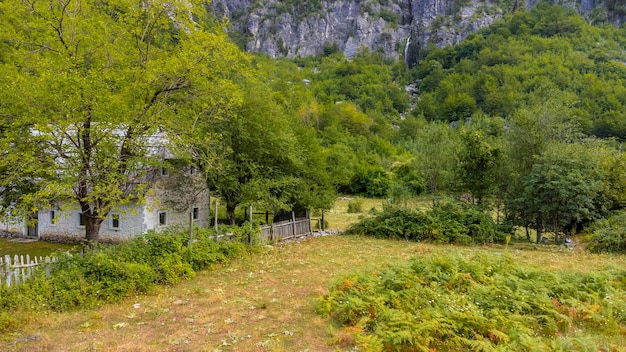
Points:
x=397 y=28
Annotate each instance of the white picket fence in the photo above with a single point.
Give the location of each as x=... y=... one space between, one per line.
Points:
x=16 y=270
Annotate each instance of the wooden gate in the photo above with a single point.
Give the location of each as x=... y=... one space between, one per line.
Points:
x=285 y=230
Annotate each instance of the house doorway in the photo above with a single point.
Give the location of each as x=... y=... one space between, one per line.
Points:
x=32 y=225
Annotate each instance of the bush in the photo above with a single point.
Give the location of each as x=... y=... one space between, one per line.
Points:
x=7 y=322
x=371 y=182
x=395 y=222
x=317 y=224
x=248 y=233
x=462 y=223
x=609 y=235
x=449 y=222
x=110 y=273
x=486 y=303
x=355 y=206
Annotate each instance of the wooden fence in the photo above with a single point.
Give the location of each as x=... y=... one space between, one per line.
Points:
x=285 y=230
x=14 y=271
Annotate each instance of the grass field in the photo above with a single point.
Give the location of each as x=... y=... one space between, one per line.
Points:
x=13 y=247
x=265 y=301
x=339 y=218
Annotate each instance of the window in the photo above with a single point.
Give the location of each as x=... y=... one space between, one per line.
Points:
x=53 y=217
x=165 y=171
x=81 y=219
x=162 y=218
x=115 y=221
x=195 y=213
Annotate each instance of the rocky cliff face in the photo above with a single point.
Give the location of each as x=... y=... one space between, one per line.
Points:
x=397 y=28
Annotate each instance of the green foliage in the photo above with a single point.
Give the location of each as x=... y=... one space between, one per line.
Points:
x=436 y=148
x=563 y=188
x=91 y=90
x=371 y=182
x=396 y=223
x=266 y=155
x=485 y=303
x=515 y=63
x=479 y=162
x=609 y=235
x=110 y=273
x=389 y=16
x=326 y=224
x=7 y=322
x=355 y=206
x=457 y=222
x=447 y=222
x=299 y=8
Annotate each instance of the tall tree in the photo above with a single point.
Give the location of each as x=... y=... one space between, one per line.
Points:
x=436 y=150
x=267 y=157
x=97 y=84
x=529 y=133
x=479 y=163
x=563 y=188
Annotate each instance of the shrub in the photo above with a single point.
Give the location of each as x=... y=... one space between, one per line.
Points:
x=248 y=233
x=112 y=272
x=395 y=222
x=449 y=222
x=7 y=322
x=371 y=182
x=609 y=235
x=317 y=224
x=485 y=303
x=355 y=206
x=462 y=223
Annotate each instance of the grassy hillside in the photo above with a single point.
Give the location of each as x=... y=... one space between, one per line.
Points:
x=265 y=301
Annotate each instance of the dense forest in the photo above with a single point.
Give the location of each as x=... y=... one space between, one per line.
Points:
x=525 y=118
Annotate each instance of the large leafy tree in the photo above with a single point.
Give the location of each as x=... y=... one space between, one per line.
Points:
x=528 y=134
x=479 y=163
x=267 y=157
x=93 y=87
x=436 y=150
x=563 y=188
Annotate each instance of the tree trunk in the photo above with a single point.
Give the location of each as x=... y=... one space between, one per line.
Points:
x=230 y=213
x=92 y=229
x=527 y=232
x=539 y=228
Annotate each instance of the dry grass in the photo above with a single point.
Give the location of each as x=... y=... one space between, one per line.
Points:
x=339 y=219
x=264 y=301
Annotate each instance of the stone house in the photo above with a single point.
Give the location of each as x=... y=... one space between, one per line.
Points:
x=165 y=204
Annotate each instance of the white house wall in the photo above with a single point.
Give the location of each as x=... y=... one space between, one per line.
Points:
x=134 y=219
x=155 y=205
x=15 y=225
x=67 y=223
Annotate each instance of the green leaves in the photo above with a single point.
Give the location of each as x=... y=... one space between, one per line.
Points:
x=447 y=222
x=563 y=187
x=93 y=84
x=481 y=303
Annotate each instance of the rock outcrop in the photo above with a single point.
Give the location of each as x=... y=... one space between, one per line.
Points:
x=397 y=28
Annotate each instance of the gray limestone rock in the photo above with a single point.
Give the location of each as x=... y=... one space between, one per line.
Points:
x=279 y=31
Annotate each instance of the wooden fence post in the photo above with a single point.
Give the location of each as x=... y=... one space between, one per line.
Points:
x=216 y=206
x=293 y=223
x=308 y=217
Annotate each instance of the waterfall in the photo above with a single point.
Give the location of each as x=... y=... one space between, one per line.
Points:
x=406 y=50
